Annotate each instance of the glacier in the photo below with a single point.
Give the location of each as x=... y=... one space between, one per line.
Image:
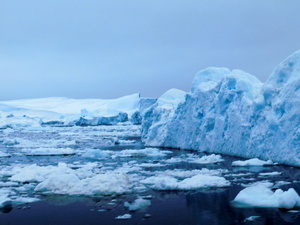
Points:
x=231 y=112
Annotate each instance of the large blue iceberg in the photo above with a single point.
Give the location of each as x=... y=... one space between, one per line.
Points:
x=232 y=112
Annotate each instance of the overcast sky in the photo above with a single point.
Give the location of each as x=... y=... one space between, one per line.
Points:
x=108 y=49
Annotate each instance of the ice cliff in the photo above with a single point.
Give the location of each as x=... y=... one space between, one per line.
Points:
x=232 y=112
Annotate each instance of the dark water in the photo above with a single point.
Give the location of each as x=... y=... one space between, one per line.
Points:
x=205 y=206
x=167 y=208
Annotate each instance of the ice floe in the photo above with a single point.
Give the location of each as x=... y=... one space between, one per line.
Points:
x=260 y=195
x=252 y=162
x=195 y=182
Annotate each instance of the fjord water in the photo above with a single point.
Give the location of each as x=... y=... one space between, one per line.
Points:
x=104 y=147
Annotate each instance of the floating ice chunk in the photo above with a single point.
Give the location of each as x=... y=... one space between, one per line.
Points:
x=182 y=174
x=138 y=204
x=3 y=154
x=101 y=184
x=11 y=142
x=195 y=182
x=94 y=154
x=275 y=173
x=34 y=173
x=49 y=151
x=4 y=201
x=161 y=182
x=262 y=196
x=58 y=183
x=251 y=218
x=202 y=181
x=252 y=162
x=173 y=160
x=207 y=159
x=140 y=153
x=151 y=165
x=9 y=184
x=123 y=217
x=23 y=200
x=125 y=142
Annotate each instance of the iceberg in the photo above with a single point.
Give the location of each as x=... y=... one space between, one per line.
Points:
x=231 y=112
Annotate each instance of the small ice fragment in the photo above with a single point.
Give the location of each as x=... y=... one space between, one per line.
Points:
x=270 y=174
x=146 y=216
x=123 y=217
x=251 y=218
x=138 y=204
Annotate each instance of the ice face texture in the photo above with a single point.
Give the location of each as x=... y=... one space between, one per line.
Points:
x=232 y=112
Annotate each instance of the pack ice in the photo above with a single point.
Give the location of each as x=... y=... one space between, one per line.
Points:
x=232 y=112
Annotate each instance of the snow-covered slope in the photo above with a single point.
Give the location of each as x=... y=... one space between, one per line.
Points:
x=232 y=112
x=34 y=111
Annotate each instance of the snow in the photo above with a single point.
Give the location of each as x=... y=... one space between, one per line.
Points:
x=231 y=112
x=260 y=195
x=138 y=204
x=252 y=162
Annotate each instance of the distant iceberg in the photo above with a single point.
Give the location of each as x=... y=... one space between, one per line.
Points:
x=66 y=111
x=232 y=112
